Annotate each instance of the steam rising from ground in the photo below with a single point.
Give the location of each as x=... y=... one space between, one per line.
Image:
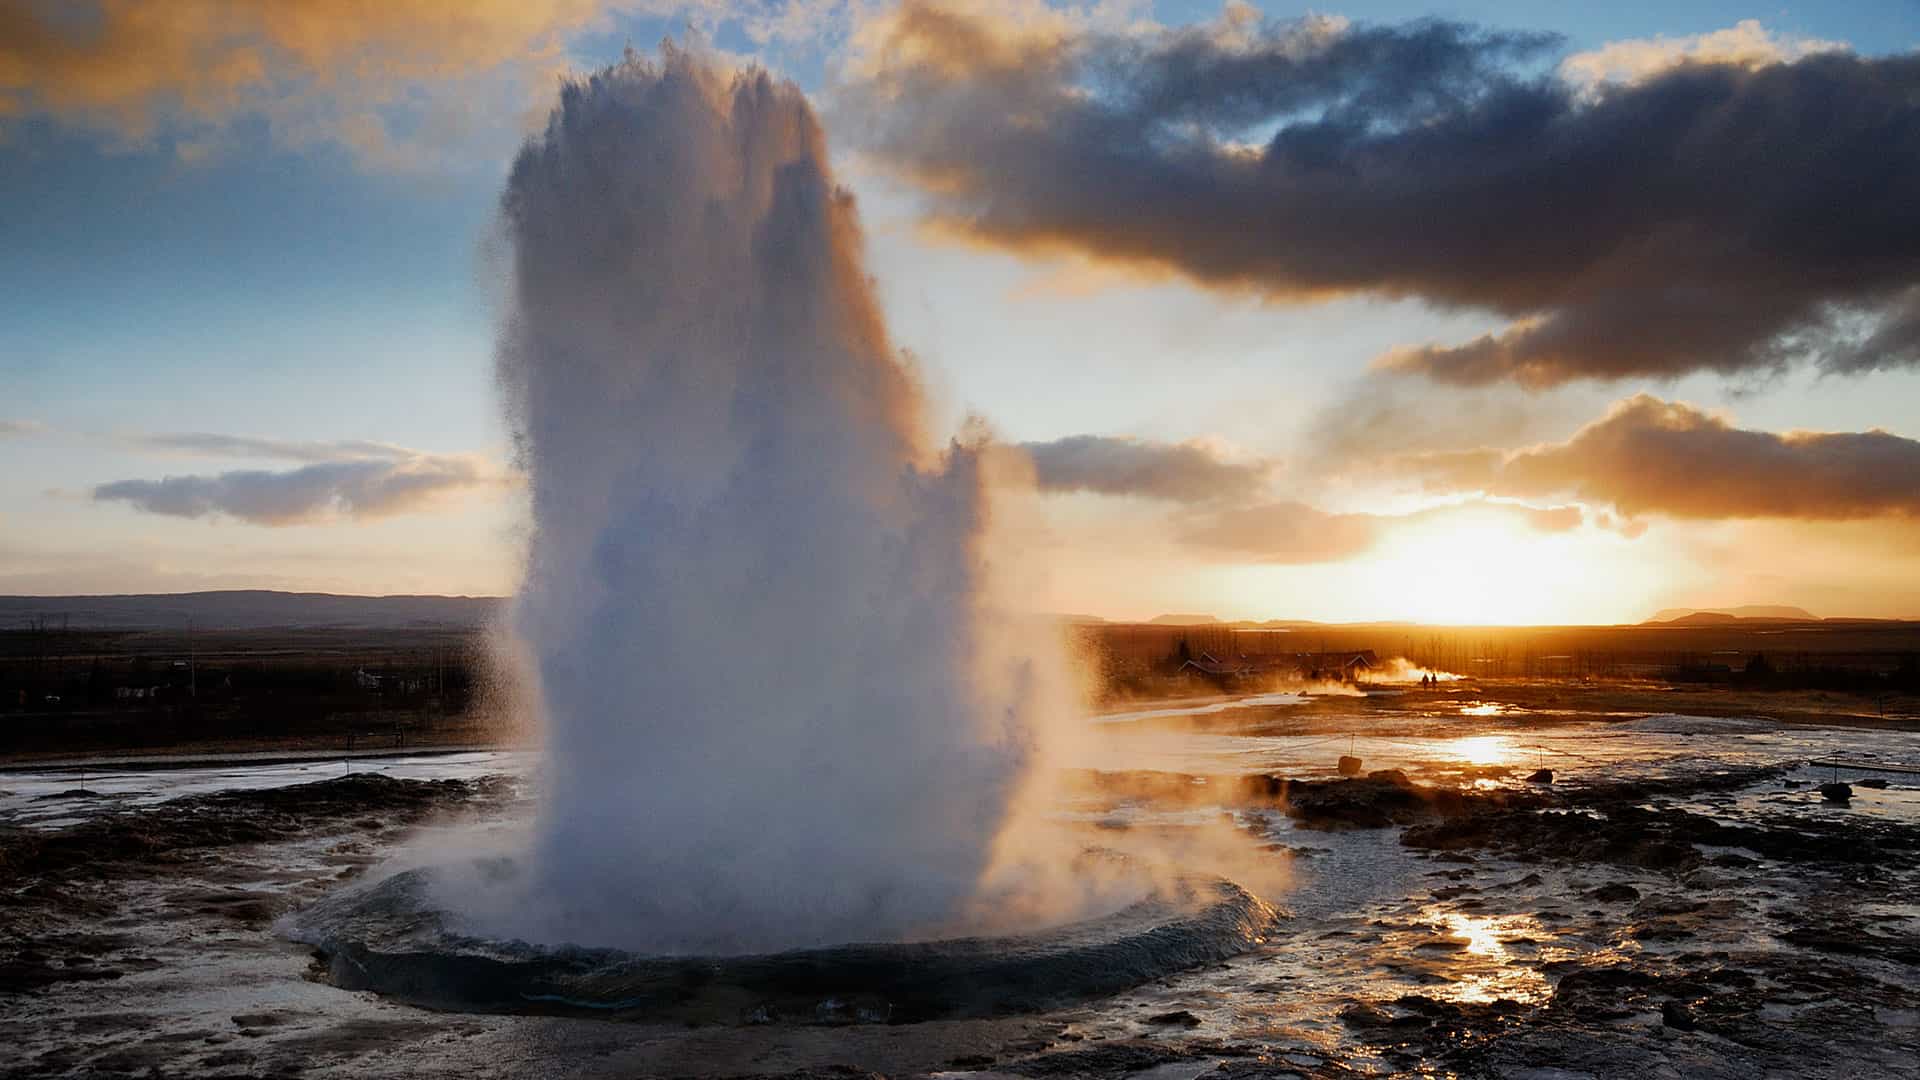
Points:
x=762 y=608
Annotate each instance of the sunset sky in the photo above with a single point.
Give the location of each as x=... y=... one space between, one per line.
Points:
x=1455 y=312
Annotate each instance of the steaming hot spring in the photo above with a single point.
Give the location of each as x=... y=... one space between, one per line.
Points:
x=768 y=622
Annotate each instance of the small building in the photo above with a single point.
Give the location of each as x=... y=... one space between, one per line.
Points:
x=1348 y=667
x=1216 y=667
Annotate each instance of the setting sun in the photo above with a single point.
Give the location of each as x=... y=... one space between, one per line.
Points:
x=1477 y=567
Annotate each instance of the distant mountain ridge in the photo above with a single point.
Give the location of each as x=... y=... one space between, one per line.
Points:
x=247 y=609
x=1703 y=616
x=259 y=609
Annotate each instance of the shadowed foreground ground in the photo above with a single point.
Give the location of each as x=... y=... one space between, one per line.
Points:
x=1718 y=922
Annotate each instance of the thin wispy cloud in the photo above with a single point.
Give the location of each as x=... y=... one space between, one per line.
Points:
x=207 y=444
x=1190 y=472
x=1734 y=204
x=311 y=493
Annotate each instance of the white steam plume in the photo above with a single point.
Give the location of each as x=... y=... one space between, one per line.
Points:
x=784 y=705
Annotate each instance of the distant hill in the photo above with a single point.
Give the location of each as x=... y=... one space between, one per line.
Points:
x=1184 y=620
x=1703 y=616
x=250 y=609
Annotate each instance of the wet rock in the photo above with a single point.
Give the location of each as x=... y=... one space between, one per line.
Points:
x=1177 y=1018
x=1662 y=855
x=1541 y=776
x=1282 y=1066
x=1836 y=792
x=1390 y=776
x=178 y=829
x=1602 y=993
x=1617 y=893
x=1349 y=804
x=27 y=975
x=1874 y=782
x=1349 y=766
x=1107 y=1059
x=1450 y=1016
x=1366 y=1017
x=1848 y=937
x=1676 y=1015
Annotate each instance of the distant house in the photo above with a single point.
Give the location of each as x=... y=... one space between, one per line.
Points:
x=366 y=681
x=1232 y=667
x=1338 y=667
x=1314 y=667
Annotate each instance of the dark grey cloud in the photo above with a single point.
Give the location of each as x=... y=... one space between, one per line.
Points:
x=1649 y=456
x=1294 y=533
x=1109 y=465
x=361 y=489
x=1710 y=217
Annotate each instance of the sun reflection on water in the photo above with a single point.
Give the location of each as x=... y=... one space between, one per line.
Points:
x=1489 y=970
x=1484 y=750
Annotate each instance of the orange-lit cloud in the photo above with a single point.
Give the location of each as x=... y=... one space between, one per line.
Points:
x=399 y=83
x=1649 y=456
x=128 y=64
x=1745 y=44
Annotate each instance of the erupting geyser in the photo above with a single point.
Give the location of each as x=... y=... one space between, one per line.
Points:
x=786 y=706
x=783 y=706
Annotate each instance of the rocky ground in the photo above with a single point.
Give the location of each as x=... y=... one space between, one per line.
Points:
x=1719 y=924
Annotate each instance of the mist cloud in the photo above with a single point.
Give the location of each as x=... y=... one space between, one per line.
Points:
x=1649 y=456
x=357 y=489
x=1730 y=205
x=1108 y=465
x=16 y=428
